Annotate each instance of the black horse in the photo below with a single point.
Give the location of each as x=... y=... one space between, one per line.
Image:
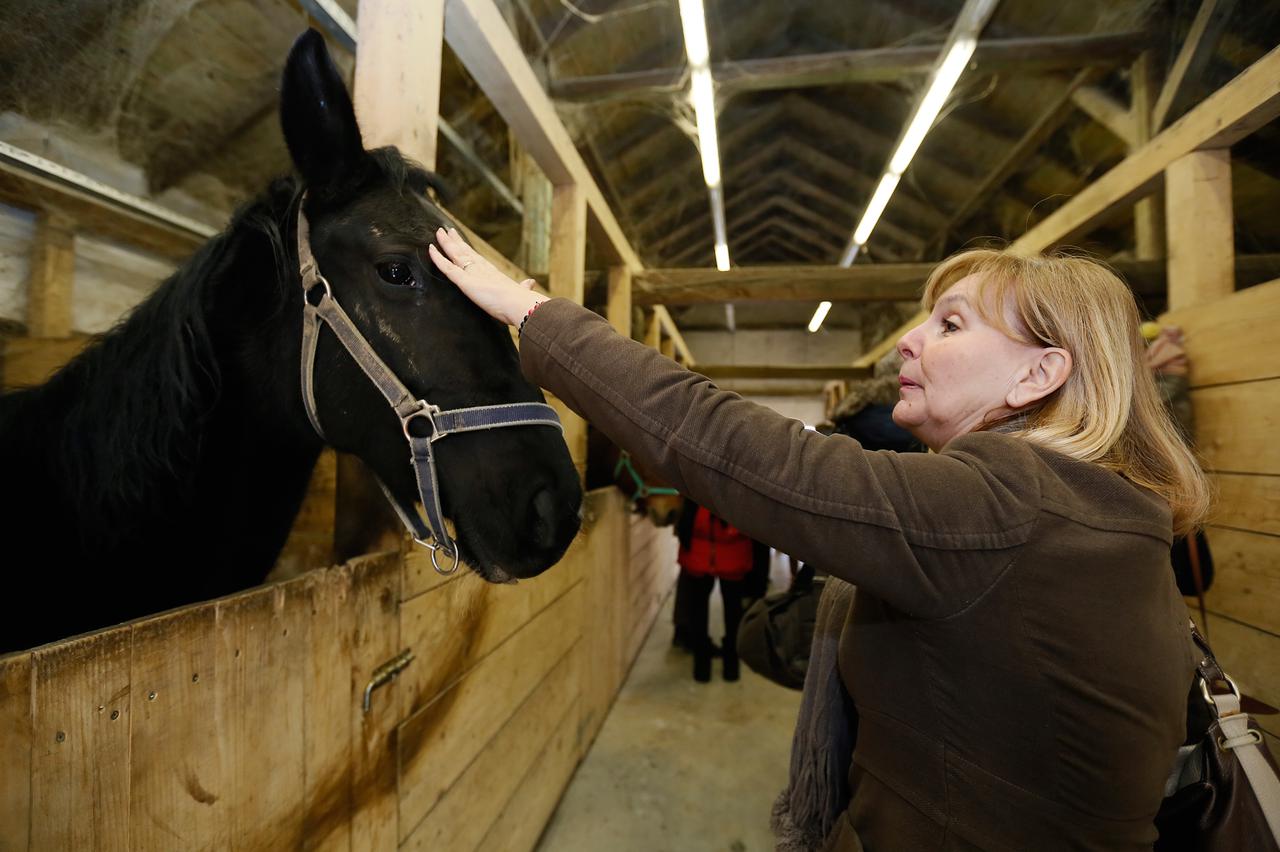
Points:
x=166 y=463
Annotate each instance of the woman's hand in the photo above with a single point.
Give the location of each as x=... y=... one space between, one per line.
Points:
x=480 y=281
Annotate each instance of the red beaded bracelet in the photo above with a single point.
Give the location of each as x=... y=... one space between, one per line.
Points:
x=520 y=330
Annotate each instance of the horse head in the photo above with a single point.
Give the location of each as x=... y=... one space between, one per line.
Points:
x=513 y=493
x=609 y=465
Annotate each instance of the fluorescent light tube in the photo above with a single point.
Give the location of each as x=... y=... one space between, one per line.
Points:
x=931 y=104
x=694 y=21
x=818 y=316
x=722 y=257
x=875 y=207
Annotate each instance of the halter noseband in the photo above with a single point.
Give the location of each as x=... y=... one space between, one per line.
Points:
x=431 y=533
x=643 y=489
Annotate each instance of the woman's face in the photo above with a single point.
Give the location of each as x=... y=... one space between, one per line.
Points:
x=960 y=372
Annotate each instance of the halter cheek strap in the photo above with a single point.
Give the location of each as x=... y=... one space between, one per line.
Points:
x=643 y=489
x=319 y=305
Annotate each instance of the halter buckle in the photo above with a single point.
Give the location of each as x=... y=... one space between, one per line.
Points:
x=320 y=281
x=422 y=408
x=435 y=548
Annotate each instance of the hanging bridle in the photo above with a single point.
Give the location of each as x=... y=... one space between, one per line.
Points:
x=643 y=489
x=431 y=533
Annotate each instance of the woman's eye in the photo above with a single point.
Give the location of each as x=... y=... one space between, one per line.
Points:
x=395 y=272
x=948 y=326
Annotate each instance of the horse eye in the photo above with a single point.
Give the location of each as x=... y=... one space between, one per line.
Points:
x=395 y=272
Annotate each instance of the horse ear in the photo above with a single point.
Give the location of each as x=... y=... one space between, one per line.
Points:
x=316 y=114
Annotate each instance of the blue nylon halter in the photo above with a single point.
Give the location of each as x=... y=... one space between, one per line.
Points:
x=430 y=533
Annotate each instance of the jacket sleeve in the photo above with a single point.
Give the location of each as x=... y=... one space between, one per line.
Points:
x=927 y=533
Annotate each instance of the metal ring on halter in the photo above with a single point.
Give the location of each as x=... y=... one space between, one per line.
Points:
x=320 y=281
x=423 y=409
x=435 y=548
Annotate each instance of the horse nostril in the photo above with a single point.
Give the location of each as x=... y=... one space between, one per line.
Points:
x=544 y=512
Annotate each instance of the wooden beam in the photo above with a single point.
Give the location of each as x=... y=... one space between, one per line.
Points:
x=618 y=306
x=1045 y=125
x=668 y=326
x=870 y=282
x=1201 y=229
x=877 y=65
x=51 y=277
x=1239 y=108
x=480 y=38
x=1107 y=111
x=1188 y=67
x=567 y=269
x=824 y=372
x=397 y=85
x=1148 y=213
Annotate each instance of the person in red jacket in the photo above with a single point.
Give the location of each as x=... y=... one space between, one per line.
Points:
x=711 y=550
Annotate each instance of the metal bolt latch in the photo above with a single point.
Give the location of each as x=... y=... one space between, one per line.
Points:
x=386 y=673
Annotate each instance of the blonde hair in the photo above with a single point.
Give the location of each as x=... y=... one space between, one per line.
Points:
x=1108 y=411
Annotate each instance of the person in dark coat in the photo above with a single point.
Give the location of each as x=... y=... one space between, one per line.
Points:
x=1017 y=652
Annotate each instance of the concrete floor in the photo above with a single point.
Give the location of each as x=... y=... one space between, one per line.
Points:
x=680 y=766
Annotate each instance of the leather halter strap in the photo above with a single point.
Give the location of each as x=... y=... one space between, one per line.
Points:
x=431 y=532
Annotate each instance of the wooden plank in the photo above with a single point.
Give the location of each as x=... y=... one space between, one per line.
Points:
x=1099 y=105
x=618 y=306
x=1232 y=339
x=329 y=693
x=397 y=85
x=770 y=371
x=1236 y=110
x=875 y=65
x=864 y=282
x=1148 y=213
x=669 y=329
x=567 y=270
x=454 y=627
x=31 y=361
x=482 y=793
x=1247 y=502
x=1246 y=582
x=80 y=744
x=482 y=41
x=15 y=752
x=51 y=277
x=376 y=609
x=1252 y=658
x=521 y=822
x=1237 y=425
x=1201 y=228
x=261 y=641
x=437 y=743
x=178 y=791
x=605 y=602
x=1192 y=59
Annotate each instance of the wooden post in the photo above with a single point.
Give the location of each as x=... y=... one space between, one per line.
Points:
x=668 y=348
x=653 y=331
x=1201 y=228
x=397 y=91
x=535 y=227
x=53 y=266
x=618 y=309
x=1148 y=214
x=567 y=279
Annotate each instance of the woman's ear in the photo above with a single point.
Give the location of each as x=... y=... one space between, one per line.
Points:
x=316 y=114
x=1047 y=371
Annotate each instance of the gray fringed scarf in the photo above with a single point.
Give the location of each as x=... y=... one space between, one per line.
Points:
x=818 y=792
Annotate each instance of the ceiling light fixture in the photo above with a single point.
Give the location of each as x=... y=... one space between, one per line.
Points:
x=702 y=95
x=818 y=316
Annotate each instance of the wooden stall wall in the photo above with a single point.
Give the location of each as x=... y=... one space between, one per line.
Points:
x=1235 y=381
x=238 y=723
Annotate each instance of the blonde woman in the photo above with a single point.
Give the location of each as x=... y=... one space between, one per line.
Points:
x=1017 y=651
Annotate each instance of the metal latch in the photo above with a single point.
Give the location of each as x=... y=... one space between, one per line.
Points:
x=386 y=673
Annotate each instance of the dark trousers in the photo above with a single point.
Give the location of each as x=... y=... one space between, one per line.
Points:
x=693 y=606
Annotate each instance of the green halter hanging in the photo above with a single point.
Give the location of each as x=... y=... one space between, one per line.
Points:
x=643 y=489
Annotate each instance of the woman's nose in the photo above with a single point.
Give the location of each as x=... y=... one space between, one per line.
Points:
x=908 y=344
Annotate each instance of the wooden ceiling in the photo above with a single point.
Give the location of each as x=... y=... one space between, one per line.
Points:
x=812 y=96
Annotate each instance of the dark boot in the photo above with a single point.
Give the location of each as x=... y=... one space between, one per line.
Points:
x=730 y=663
x=702 y=661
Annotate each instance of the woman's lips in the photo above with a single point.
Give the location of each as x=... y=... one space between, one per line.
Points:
x=905 y=383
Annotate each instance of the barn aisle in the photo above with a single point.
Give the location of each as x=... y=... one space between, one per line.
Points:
x=680 y=765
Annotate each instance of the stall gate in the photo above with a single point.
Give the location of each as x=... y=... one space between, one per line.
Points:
x=238 y=723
